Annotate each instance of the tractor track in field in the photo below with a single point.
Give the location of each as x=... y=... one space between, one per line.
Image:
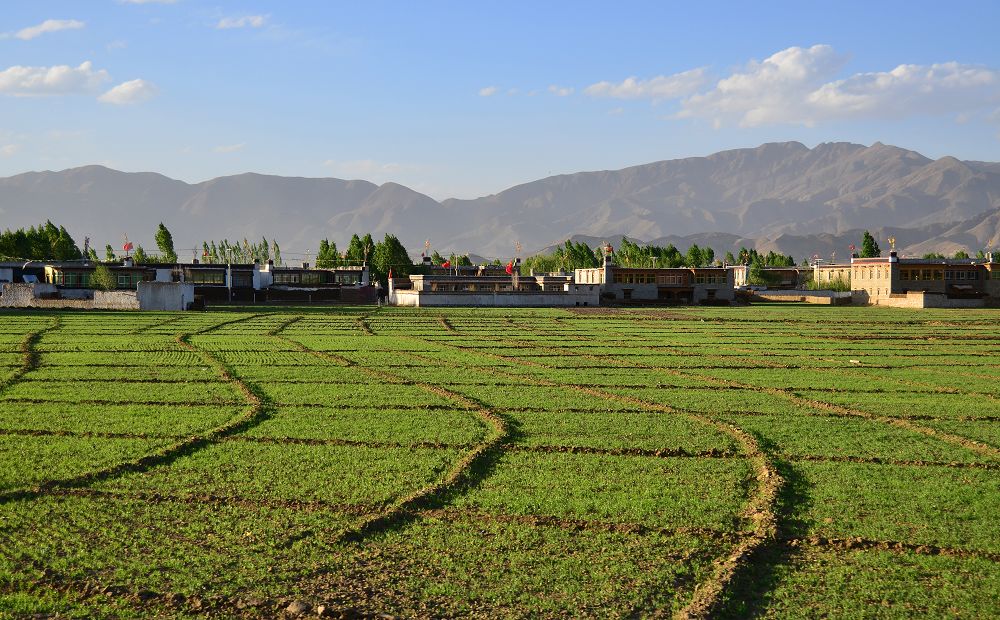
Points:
x=460 y=476
x=867 y=544
x=713 y=453
x=257 y=411
x=153 y=497
x=793 y=397
x=705 y=606
x=760 y=509
x=472 y=515
x=146 y=328
x=30 y=356
x=130 y=402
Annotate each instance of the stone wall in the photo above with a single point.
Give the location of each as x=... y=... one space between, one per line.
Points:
x=812 y=297
x=165 y=295
x=920 y=299
x=501 y=300
x=48 y=296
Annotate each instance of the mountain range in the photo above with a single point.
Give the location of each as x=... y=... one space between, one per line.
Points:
x=779 y=196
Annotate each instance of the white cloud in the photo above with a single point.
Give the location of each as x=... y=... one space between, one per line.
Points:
x=230 y=148
x=247 y=21
x=57 y=80
x=8 y=150
x=798 y=86
x=133 y=91
x=560 y=91
x=657 y=88
x=488 y=91
x=616 y=111
x=118 y=44
x=49 y=25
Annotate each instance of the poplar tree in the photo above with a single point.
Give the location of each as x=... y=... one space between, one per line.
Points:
x=165 y=242
x=869 y=248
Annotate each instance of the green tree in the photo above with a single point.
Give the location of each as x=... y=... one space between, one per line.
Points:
x=730 y=259
x=367 y=247
x=389 y=254
x=165 y=243
x=102 y=279
x=327 y=257
x=869 y=248
x=355 y=251
x=139 y=256
x=694 y=257
x=109 y=253
x=962 y=255
x=708 y=256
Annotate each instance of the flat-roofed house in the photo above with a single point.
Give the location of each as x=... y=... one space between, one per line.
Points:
x=685 y=285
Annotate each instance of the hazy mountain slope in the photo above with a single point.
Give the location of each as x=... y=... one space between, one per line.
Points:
x=783 y=194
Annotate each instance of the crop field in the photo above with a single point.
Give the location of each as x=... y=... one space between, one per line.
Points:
x=776 y=461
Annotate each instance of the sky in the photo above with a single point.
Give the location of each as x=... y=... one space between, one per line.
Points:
x=464 y=99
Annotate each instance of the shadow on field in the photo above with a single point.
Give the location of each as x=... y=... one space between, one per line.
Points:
x=480 y=467
x=750 y=591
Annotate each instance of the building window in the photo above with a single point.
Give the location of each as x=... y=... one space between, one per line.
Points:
x=286 y=278
x=204 y=276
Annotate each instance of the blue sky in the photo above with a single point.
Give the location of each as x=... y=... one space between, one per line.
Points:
x=468 y=98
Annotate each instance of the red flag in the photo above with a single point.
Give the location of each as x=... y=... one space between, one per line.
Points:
x=446 y=264
x=390 y=273
x=510 y=268
x=128 y=246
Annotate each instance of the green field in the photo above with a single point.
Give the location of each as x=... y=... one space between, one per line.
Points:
x=773 y=461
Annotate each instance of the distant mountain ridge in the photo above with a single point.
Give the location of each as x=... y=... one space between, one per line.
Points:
x=781 y=196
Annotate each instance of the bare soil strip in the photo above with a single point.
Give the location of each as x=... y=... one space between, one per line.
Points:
x=362 y=324
x=30 y=358
x=988 y=465
x=713 y=453
x=760 y=511
x=866 y=544
x=221 y=500
x=539 y=521
x=459 y=476
x=790 y=395
x=256 y=412
x=147 y=328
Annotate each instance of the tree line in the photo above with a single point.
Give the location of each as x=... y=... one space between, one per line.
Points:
x=578 y=255
x=382 y=257
x=44 y=242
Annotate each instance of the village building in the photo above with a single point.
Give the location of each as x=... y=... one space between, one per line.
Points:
x=203 y=283
x=924 y=283
x=683 y=285
x=485 y=286
x=778 y=278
